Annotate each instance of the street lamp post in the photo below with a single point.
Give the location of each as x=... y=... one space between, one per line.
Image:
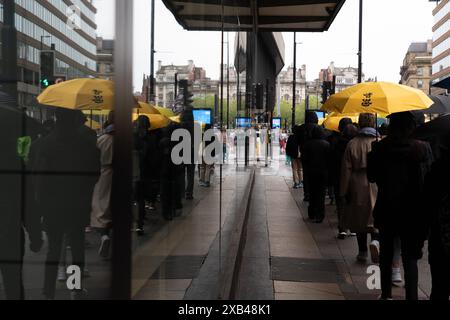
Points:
x=360 y=41
x=151 y=95
x=294 y=86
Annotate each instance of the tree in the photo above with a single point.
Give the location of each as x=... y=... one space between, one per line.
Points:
x=207 y=102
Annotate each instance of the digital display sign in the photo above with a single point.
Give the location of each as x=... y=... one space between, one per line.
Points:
x=276 y=123
x=243 y=122
x=203 y=116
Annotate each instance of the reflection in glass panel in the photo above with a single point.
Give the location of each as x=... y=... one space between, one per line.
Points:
x=55 y=165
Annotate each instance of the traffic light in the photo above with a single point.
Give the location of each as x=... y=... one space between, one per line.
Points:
x=327 y=88
x=47 y=69
x=187 y=95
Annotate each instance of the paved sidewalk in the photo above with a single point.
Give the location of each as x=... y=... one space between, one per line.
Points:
x=289 y=258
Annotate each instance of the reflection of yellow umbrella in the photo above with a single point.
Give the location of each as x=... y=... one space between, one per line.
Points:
x=80 y=94
x=93 y=124
x=176 y=119
x=157 y=121
x=333 y=120
x=381 y=98
x=165 y=111
x=145 y=108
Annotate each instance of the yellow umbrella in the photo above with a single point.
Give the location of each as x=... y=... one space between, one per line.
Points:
x=80 y=94
x=157 y=121
x=145 y=108
x=333 y=120
x=176 y=119
x=165 y=111
x=382 y=98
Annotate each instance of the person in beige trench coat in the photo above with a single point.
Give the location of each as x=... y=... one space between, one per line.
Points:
x=357 y=193
x=101 y=201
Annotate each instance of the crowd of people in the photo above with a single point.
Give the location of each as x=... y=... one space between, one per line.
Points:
x=66 y=190
x=386 y=183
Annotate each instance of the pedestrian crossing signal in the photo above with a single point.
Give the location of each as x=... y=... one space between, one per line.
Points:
x=45 y=83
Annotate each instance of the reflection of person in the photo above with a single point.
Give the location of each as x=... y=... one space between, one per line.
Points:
x=12 y=219
x=171 y=174
x=187 y=182
x=101 y=201
x=141 y=146
x=67 y=166
x=205 y=169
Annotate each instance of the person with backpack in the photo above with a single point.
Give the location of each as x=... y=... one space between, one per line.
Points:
x=397 y=165
x=293 y=152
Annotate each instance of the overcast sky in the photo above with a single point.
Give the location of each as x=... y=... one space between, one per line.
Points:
x=389 y=27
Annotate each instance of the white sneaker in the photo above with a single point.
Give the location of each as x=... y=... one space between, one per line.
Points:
x=375 y=251
x=62 y=276
x=396 y=275
x=103 y=251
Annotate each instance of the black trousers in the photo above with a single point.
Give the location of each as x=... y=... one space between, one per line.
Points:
x=170 y=197
x=440 y=267
x=12 y=279
x=55 y=235
x=140 y=199
x=410 y=256
x=11 y=264
x=188 y=179
x=305 y=179
x=317 y=192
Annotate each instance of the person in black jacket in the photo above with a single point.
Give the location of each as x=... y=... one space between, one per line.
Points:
x=338 y=144
x=397 y=165
x=293 y=152
x=305 y=134
x=66 y=166
x=141 y=147
x=13 y=221
x=437 y=199
x=316 y=155
x=171 y=175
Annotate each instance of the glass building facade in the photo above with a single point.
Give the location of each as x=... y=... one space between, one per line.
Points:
x=41 y=24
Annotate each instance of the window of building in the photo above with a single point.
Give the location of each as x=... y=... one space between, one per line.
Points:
x=419 y=71
x=420 y=84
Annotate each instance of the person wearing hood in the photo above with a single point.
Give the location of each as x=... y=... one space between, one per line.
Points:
x=66 y=166
x=338 y=144
x=304 y=135
x=13 y=221
x=317 y=158
x=356 y=192
x=101 y=201
x=398 y=166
